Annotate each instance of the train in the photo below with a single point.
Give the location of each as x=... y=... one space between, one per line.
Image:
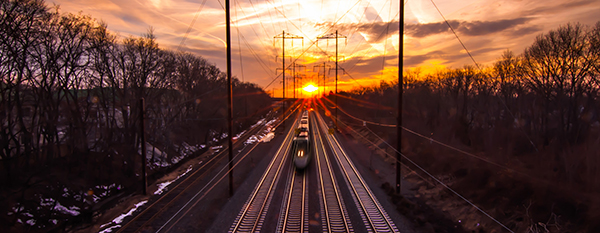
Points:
x=301 y=150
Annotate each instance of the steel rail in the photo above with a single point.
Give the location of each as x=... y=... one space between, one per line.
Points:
x=294 y=211
x=373 y=213
x=169 y=193
x=249 y=206
x=326 y=191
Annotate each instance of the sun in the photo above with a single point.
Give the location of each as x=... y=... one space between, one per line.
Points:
x=310 y=88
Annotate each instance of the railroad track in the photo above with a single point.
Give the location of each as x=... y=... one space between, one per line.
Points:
x=252 y=215
x=294 y=213
x=335 y=217
x=374 y=217
x=153 y=217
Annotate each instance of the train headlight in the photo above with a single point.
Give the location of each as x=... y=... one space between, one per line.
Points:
x=300 y=153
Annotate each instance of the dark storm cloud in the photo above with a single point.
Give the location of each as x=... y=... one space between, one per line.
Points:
x=469 y=28
x=363 y=65
x=522 y=31
x=378 y=31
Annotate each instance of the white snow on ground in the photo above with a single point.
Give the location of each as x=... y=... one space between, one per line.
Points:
x=239 y=135
x=184 y=150
x=118 y=220
x=216 y=149
x=165 y=184
x=66 y=192
x=264 y=136
x=252 y=139
x=260 y=122
x=268 y=137
x=29 y=222
x=73 y=210
x=15 y=209
x=150 y=149
x=110 y=229
x=104 y=191
x=30 y=219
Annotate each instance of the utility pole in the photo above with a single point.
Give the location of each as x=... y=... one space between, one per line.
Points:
x=143 y=143
x=294 y=78
x=325 y=66
x=294 y=66
x=400 y=90
x=229 y=97
x=336 y=36
x=285 y=36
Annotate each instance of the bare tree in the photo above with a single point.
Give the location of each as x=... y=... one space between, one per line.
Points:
x=557 y=68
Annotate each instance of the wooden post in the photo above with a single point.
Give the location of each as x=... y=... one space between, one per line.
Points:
x=143 y=143
x=229 y=97
x=400 y=90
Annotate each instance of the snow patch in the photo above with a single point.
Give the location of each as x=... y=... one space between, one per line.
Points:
x=30 y=222
x=251 y=140
x=110 y=229
x=162 y=186
x=268 y=137
x=73 y=210
x=118 y=220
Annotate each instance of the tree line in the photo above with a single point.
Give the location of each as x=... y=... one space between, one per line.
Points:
x=70 y=92
x=543 y=102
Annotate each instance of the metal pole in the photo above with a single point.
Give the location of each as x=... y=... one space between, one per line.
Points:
x=294 y=77
x=229 y=97
x=143 y=143
x=336 y=79
x=324 y=75
x=400 y=90
x=283 y=59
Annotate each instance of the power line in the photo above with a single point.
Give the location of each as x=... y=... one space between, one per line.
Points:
x=479 y=68
x=445 y=145
x=456 y=35
x=437 y=180
x=313 y=42
x=191 y=25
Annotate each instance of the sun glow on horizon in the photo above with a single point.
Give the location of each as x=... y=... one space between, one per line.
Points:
x=310 y=88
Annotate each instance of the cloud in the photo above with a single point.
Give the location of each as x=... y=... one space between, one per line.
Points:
x=378 y=31
x=375 y=31
x=548 y=9
x=469 y=28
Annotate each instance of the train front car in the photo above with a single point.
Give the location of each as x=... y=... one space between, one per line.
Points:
x=301 y=146
x=301 y=150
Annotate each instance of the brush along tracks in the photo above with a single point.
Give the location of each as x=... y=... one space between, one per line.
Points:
x=168 y=207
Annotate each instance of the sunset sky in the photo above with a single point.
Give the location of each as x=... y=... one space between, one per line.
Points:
x=486 y=27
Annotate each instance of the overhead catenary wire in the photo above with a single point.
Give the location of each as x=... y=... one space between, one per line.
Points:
x=237 y=28
x=258 y=58
x=437 y=180
x=481 y=70
x=312 y=44
x=369 y=50
x=448 y=146
x=191 y=25
x=430 y=175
